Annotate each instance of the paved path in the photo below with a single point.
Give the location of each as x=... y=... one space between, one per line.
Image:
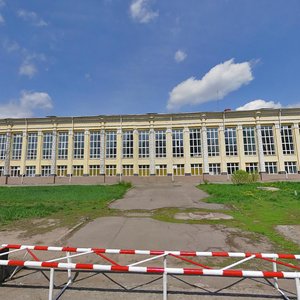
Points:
x=154 y=196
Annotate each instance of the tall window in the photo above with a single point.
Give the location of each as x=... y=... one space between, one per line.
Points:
x=251 y=167
x=249 y=140
x=46 y=171
x=143 y=144
x=63 y=141
x=30 y=171
x=160 y=143
x=290 y=167
x=17 y=146
x=61 y=171
x=232 y=167
x=287 y=139
x=214 y=169
x=79 y=145
x=15 y=171
x=195 y=142
x=127 y=170
x=268 y=140
x=127 y=144
x=32 y=145
x=47 y=145
x=230 y=141
x=110 y=170
x=178 y=170
x=78 y=170
x=95 y=140
x=94 y=170
x=161 y=170
x=144 y=170
x=111 y=144
x=212 y=141
x=177 y=138
x=1 y=170
x=2 y=146
x=196 y=169
x=271 y=167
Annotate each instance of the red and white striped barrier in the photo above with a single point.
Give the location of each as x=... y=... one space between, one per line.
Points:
x=70 y=252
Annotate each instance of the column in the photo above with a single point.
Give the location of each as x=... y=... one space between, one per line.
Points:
x=102 y=152
x=205 y=150
x=222 y=149
x=7 y=153
x=24 y=154
x=38 y=170
x=53 y=154
x=119 y=151
x=240 y=147
x=152 y=151
x=70 y=153
x=297 y=143
x=186 y=151
x=279 y=151
x=86 y=156
x=261 y=157
x=135 y=152
x=169 y=151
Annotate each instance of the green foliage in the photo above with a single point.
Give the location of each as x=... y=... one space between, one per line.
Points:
x=243 y=177
x=18 y=203
x=260 y=211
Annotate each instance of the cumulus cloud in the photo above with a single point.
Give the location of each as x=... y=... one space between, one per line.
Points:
x=258 y=104
x=141 y=12
x=180 y=56
x=215 y=84
x=28 y=103
x=32 y=17
x=28 y=69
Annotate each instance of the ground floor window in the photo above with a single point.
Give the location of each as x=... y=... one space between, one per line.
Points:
x=196 y=169
x=78 y=170
x=232 y=167
x=1 y=171
x=110 y=170
x=46 y=171
x=178 y=170
x=290 y=167
x=144 y=170
x=251 y=167
x=15 y=171
x=161 y=170
x=30 y=171
x=127 y=170
x=94 y=170
x=61 y=171
x=271 y=167
x=214 y=169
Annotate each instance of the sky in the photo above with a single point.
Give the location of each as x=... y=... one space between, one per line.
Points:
x=103 y=57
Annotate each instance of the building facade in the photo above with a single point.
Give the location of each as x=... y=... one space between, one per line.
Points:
x=186 y=146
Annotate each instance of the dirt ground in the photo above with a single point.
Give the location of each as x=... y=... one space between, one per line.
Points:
x=142 y=232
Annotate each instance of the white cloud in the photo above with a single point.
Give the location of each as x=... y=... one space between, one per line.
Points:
x=2 y=21
x=31 y=17
x=215 y=84
x=141 y=12
x=258 y=104
x=28 y=69
x=11 y=46
x=2 y=3
x=180 y=56
x=26 y=105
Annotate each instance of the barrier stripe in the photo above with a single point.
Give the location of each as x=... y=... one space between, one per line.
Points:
x=154 y=252
x=153 y=270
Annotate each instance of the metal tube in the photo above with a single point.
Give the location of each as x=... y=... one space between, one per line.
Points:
x=51 y=284
x=69 y=260
x=297 y=280
x=165 y=280
x=275 y=278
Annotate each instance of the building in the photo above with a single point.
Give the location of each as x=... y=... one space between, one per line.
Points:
x=195 y=146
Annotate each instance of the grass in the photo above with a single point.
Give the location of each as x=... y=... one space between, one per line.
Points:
x=260 y=211
x=67 y=203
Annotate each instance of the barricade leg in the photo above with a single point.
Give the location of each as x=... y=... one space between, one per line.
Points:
x=3 y=269
x=275 y=278
x=51 y=284
x=165 y=281
x=69 y=270
x=298 y=287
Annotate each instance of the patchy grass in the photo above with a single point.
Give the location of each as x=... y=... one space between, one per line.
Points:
x=67 y=203
x=260 y=211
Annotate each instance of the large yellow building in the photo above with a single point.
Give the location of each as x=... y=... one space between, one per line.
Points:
x=195 y=146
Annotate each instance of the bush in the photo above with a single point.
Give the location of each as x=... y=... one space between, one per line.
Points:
x=243 y=177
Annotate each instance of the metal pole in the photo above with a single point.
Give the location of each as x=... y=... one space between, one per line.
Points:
x=298 y=287
x=51 y=284
x=165 y=280
x=275 y=278
x=69 y=260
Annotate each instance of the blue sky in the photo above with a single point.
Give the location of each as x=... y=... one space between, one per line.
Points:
x=95 y=57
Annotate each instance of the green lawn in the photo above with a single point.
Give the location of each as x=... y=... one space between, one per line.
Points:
x=62 y=202
x=260 y=211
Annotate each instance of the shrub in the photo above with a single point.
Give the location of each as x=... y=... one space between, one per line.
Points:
x=243 y=177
